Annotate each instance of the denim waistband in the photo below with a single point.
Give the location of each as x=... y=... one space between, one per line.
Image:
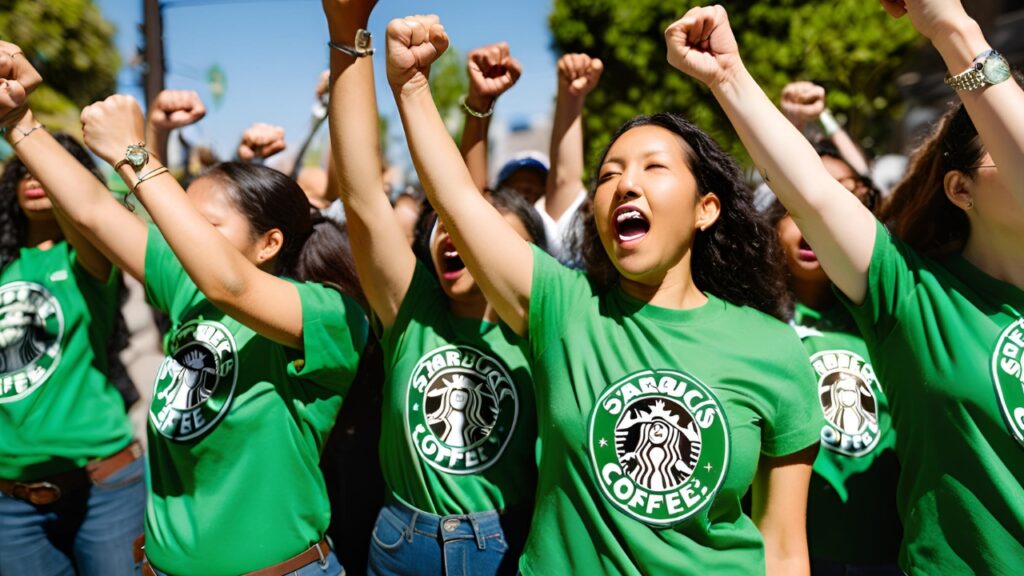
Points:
x=474 y=526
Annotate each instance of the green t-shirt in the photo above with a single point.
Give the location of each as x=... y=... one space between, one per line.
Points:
x=459 y=425
x=946 y=340
x=237 y=424
x=58 y=409
x=851 y=503
x=653 y=423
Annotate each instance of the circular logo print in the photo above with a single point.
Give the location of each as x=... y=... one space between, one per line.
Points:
x=659 y=443
x=196 y=382
x=31 y=329
x=461 y=409
x=846 y=391
x=1008 y=376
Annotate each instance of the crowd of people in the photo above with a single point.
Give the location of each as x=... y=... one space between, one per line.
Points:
x=661 y=373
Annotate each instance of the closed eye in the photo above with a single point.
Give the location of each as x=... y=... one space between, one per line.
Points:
x=604 y=177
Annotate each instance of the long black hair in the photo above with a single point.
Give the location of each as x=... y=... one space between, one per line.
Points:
x=13 y=232
x=314 y=248
x=737 y=258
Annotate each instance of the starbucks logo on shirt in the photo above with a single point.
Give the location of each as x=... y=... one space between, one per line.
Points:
x=461 y=409
x=659 y=443
x=196 y=382
x=1008 y=376
x=846 y=391
x=31 y=329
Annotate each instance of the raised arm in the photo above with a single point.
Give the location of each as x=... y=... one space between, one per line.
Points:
x=170 y=109
x=578 y=74
x=500 y=260
x=232 y=282
x=384 y=260
x=803 y=103
x=995 y=110
x=834 y=222
x=492 y=71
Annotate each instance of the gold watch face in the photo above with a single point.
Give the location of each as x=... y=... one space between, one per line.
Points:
x=137 y=156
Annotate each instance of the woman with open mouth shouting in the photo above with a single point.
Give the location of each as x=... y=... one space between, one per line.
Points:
x=664 y=386
x=458 y=431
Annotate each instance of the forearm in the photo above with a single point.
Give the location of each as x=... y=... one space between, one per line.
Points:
x=850 y=152
x=384 y=261
x=565 y=179
x=217 y=268
x=473 y=145
x=501 y=261
x=835 y=223
x=156 y=142
x=84 y=203
x=995 y=110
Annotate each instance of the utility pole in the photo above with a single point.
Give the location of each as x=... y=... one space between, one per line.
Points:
x=153 y=54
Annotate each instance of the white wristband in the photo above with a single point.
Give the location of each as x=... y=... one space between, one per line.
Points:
x=829 y=125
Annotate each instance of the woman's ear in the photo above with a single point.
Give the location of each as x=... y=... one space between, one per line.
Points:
x=958 y=189
x=269 y=245
x=709 y=207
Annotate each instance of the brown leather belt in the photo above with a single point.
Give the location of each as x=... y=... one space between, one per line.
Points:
x=49 y=490
x=315 y=553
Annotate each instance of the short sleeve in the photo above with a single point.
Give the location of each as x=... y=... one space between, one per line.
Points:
x=892 y=277
x=796 y=422
x=334 y=332
x=555 y=292
x=164 y=275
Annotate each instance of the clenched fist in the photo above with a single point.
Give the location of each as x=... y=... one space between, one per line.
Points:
x=176 y=108
x=110 y=126
x=701 y=44
x=802 y=102
x=579 y=73
x=492 y=71
x=18 y=78
x=413 y=44
x=261 y=141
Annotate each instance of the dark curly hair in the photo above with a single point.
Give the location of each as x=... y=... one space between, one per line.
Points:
x=13 y=230
x=737 y=258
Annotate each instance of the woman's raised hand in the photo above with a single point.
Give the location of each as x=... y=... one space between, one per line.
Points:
x=110 y=126
x=176 y=109
x=413 y=44
x=701 y=44
x=579 y=73
x=17 y=80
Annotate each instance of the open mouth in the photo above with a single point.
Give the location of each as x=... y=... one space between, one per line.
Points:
x=451 y=264
x=805 y=253
x=630 y=224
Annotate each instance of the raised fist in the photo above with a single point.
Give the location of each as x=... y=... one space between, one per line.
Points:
x=492 y=71
x=802 y=102
x=701 y=44
x=176 y=108
x=579 y=73
x=413 y=44
x=261 y=141
x=17 y=80
x=932 y=18
x=110 y=126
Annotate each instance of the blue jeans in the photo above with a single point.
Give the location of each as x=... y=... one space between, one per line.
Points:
x=89 y=531
x=331 y=568
x=407 y=541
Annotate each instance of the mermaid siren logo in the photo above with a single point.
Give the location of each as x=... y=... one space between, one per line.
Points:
x=31 y=329
x=196 y=382
x=659 y=444
x=1008 y=377
x=846 y=391
x=461 y=409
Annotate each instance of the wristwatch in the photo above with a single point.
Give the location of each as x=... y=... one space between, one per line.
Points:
x=136 y=156
x=362 y=48
x=988 y=68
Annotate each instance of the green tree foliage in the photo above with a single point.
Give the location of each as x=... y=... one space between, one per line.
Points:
x=851 y=47
x=448 y=84
x=72 y=46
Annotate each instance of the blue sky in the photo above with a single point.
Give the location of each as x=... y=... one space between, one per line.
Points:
x=272 y=52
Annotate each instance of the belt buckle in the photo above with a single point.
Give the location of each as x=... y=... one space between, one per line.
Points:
x=37 y=493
